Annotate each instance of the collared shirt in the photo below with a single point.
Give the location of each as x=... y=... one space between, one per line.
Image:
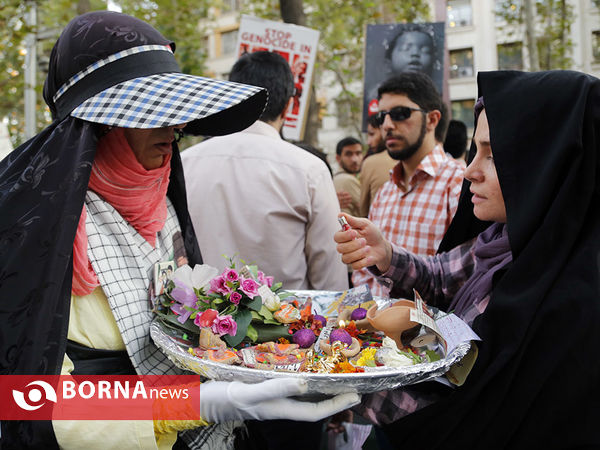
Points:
x=417 y=217
x=375 y=171
x=269 y=202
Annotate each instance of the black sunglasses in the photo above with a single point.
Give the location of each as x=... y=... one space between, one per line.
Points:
x=397 y=114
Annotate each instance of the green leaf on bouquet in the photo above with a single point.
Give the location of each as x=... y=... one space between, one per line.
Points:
x=264 y=311
x=170 y=320
x=252 y=333
x=285 y=294
x=255 y=303
x=267 y=332
x=242 y=317
x=231 y=309
x=216 y=302
x=257 y=317
x=277 y=286
x=265 y=316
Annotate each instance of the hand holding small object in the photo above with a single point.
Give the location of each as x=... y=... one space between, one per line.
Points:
x=222 y=401
x=363 y=245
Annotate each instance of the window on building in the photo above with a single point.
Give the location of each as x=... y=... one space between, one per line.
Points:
x=596 y=46
x=510 y=56
x=459 y=13
x=463 y=110
x=228 y=42
x=461 y=63
x=507 y=9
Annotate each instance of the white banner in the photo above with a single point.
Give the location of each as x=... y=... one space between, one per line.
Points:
x=298 y=45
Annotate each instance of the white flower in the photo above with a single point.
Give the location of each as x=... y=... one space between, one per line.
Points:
x=202 y=274
x=391 y=356
x=269 y=298
x=198 y=278
x=394 y=359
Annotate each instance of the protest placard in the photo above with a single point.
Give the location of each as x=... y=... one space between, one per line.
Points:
x=298 y=45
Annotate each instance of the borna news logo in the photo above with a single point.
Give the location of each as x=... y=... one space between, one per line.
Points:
x=34 y=396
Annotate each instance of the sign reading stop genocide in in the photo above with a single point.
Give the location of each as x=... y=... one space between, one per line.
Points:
x=298 y=46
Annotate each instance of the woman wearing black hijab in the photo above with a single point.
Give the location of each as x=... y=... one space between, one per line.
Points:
x=91 y=204
x=535 y=380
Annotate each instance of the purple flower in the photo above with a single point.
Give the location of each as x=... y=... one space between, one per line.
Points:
x=230 y=275
x=262 y=279
x=249 y=287
x=183 y=294
x=182 y=313
x=224 y=325
x=218 y=284
x=235 y=298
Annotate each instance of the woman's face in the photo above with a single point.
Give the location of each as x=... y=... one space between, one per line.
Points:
x=488 y=202
x=150 y=146
x=413 y=51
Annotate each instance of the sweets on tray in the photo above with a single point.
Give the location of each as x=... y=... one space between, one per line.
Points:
x=319 y=345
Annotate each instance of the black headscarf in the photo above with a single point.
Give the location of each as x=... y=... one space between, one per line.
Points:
x=535 y=381
x=42 y=189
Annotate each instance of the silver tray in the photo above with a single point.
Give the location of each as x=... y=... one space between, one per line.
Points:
x=372 y=380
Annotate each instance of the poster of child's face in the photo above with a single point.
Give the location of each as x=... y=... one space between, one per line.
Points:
x=395 y=48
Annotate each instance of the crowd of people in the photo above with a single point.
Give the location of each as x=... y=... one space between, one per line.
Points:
x=509 y=242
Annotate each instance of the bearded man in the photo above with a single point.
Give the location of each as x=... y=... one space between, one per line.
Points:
x=414 y=208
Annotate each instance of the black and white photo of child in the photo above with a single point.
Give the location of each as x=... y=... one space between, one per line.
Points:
x=396 y=48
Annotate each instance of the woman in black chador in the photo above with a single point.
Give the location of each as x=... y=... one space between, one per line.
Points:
x=520 y=263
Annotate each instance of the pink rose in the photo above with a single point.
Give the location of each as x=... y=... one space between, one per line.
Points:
x=235 y=298
x=206 y=319
x=249 y=287
x=230 y=275
x=218 y=284
x=224 y=325
x=263 y=279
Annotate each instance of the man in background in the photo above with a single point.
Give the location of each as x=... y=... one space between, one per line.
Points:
x=414 y=208
x=349 y=156
x=269 y=202
x=376 y=168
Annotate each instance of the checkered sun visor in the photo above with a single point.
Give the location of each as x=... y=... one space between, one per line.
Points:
x=158 y=98
x=162 y=100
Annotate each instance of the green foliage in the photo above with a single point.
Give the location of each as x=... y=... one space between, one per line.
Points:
x=175 y=19
x=52 y=16
x=180 y=21
x=554 y=19
x=11 y=61
x=242 y=318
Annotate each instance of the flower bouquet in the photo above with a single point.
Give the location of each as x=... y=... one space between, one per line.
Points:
x=236 y=305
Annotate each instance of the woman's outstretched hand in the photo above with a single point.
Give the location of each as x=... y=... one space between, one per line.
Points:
x=363 y=245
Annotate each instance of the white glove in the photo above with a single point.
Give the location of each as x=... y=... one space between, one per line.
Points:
x=222 y=401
